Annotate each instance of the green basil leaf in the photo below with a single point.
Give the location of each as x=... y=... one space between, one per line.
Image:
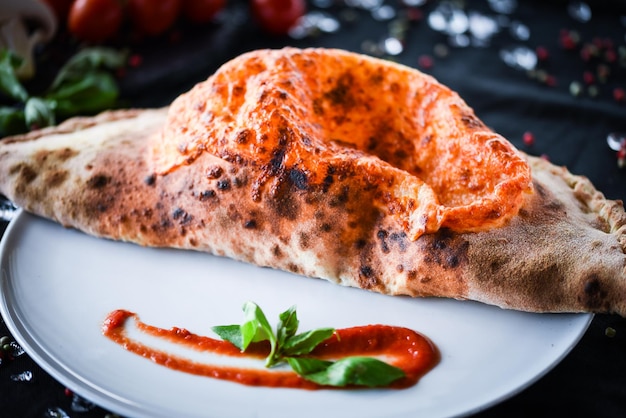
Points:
x=88 y=60
x=305 y=343
x=360 y=371
x=39 y=113
x=9 y=83
x=95 y=92
x=287 y=325
x=306 y=365
x=256 y=327
x=12 y=121
x=230 y=333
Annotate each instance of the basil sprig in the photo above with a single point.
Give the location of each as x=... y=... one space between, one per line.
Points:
x=84 y=85
x=287 y=345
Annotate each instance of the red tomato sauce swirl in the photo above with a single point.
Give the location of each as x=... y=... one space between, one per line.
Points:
x=409 y=350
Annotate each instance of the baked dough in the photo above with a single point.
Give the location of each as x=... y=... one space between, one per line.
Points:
x=252 y=183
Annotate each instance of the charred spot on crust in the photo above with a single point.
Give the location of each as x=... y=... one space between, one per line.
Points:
x=163 y=224
x=150 y=180
x=340 y=198
x=283 y=201
x=495 y=266
x=59 y=155
x=377 y=78
x=594 y=294
x=239 y=90
x=360 y=244
x=540 y=189
x=207 y=194
x=444 y=250
x=98 y=181
x=382 y=237
x=318 y=109
x=181 y=216
x=366 y=271
x=471 y=121
x=55 y=178
x=276 y=163
x=250 y=224
x=400 y=239
x=287 y=208
x=277 y=251
x=328 y=181
x=223 y=184
x=284 y=204
x=65 y=154
x=367 y=277
x=304 y=240
x=214 y=172
x=243 y=136
x=339 y=94
x=326 y=227
x=239 y=182
x=231 y=157
x=298 y=178
x=26 y=173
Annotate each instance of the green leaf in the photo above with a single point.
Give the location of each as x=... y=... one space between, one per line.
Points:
x=88 y=60
x=287 y=325
x=305 y=343
x=39 y=113
x=9 y=83
x=256 y=327
x=93 y=93
x=360 y=371
x=11 y=121
x=287 y=346
x=230 y=333
x=307 y=365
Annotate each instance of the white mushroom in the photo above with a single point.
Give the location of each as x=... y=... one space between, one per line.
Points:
x=23 y=25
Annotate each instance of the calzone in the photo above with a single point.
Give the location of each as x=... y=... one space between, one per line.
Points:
x=339 y=166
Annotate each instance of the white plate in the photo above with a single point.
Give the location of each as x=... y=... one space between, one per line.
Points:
x=58 y=285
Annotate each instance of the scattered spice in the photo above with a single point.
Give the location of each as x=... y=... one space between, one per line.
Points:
x=425 y=61
x=588 y=77
x=542 y=53
x=528 y=138
x=135 y=60
x=621 y=157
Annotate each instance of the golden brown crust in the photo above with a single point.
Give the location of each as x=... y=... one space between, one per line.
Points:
x=312 y=113
x=75 y=124
x=563 y=251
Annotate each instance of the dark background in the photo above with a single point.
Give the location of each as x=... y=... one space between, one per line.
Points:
x=568 y=129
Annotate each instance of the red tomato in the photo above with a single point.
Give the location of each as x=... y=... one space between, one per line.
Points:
x=61 y=8
x=202 y=11
x=95 y=20
x=277 y=16
x=153 y=17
